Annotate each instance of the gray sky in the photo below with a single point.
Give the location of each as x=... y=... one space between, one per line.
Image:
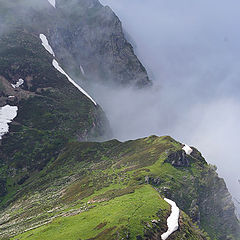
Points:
x=191 y=50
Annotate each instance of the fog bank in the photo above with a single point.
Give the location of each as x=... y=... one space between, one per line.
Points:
x=192 y=53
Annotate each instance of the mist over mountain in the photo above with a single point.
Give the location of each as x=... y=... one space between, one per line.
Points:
x=83 y=94
x=191 y=51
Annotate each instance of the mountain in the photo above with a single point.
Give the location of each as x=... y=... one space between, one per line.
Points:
x=59 y=177
x=87 y=38
x=93 y=37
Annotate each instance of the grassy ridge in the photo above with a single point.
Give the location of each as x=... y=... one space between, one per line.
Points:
x=127 y=211
x=91 y=190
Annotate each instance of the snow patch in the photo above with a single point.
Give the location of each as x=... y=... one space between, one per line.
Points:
x=7 y=114
x=82 y=70
x=56 y=65
x=187 y=149
x=172 y=221
x=18 y=84
x=46 y=44
x=53 y=3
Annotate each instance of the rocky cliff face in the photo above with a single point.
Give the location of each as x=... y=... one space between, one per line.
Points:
x=92 y=36
x=211 y=206
x=215 y=191
x=87 y=38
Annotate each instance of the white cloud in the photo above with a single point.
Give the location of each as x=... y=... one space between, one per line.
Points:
x=191 y=48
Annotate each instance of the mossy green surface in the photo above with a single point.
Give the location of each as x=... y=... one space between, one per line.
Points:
x=127 y=211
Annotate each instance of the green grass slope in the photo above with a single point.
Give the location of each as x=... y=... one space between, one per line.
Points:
x=115 y=190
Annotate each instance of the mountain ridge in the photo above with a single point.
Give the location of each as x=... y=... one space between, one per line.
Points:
x=88 y=177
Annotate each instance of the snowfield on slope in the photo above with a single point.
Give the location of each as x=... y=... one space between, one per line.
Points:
x=187 y=149
x=46 y=44
x=172 y=221
x=82 y=70
x=7 y=114
x=56 y=65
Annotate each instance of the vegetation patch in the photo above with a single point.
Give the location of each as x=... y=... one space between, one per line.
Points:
x=130 y=210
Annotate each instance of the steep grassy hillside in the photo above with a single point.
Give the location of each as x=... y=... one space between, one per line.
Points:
x=115 y=190
x=51 y=110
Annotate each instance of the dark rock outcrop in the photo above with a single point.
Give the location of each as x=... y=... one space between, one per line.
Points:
x=179 y=159
x=194 y=212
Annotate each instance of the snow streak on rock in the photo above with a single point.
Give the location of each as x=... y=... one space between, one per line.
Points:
x=46 y=44
x=172 y=221
x=53 y=3
x=7 y=114
x=82 y=70
x=187 y=149
x=56 y=65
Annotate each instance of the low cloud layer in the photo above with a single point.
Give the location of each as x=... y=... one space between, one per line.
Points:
x=191 y=51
